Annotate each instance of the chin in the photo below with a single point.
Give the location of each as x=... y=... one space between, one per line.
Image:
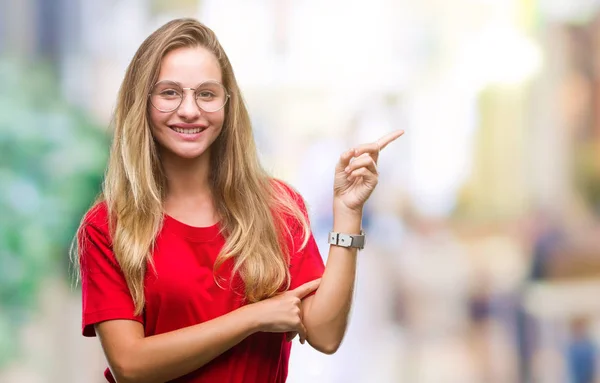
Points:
x=188 y=153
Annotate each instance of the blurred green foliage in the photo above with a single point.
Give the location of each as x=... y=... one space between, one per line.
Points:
x=52 y=159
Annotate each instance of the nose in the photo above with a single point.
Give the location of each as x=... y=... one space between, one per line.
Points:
x=189 y=110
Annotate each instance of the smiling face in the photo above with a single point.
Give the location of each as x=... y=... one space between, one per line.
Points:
x=188 y=131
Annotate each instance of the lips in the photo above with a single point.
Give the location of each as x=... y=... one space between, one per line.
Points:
x=188 y=129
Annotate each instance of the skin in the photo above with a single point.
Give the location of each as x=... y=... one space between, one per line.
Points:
x=320 y=319
x=186 y=163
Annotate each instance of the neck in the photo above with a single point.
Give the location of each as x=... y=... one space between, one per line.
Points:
x=187 y=180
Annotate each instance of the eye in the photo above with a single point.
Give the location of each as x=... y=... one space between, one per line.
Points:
x=169 y=93
x=206 y=94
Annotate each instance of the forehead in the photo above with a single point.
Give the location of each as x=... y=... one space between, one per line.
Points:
x=190 y=66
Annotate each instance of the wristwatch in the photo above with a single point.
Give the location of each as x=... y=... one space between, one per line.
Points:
x=347 y=240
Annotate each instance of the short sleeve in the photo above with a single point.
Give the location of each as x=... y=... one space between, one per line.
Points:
x=104 y=292
x=306 y=264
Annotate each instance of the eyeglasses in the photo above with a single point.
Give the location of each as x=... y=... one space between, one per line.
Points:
x=167 y=96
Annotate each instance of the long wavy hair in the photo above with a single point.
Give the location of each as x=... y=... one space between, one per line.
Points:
x=254 y=210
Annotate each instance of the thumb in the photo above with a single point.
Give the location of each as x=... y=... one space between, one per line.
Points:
x=306 y=288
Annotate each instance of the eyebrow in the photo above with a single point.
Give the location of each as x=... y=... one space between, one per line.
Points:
x=197 y=85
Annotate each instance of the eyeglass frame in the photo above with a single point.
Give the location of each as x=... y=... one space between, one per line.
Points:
x=227 y=96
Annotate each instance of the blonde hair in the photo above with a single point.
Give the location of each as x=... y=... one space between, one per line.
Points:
x=255 y=210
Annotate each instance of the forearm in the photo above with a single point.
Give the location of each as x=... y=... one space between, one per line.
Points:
x=167 y=356
x=326 y=317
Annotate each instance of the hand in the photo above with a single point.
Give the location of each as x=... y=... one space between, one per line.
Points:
x=282 y=313
x=356 y=172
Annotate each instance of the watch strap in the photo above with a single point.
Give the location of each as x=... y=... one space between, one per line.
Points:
x=347 y=240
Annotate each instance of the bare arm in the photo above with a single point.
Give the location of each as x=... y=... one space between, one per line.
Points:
x=159 y=358
x=325 y=314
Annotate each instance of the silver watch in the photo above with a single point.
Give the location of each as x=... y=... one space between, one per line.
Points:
x=347 y=240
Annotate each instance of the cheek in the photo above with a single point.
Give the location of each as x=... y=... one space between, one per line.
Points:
x=217 y=119
x=156 y=118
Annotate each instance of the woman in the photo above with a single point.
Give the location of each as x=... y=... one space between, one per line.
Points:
x=196 y=266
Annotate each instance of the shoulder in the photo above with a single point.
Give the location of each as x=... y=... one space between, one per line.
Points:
x=94 y=241
x=283 y=189
x=96 y=219
x=290 y=205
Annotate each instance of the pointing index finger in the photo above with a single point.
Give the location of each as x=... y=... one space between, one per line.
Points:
x=390 y=137
x=306 y=288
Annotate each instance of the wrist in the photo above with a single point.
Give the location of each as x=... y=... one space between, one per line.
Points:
x=341 y=210
x=252 y=318
x=346 y=220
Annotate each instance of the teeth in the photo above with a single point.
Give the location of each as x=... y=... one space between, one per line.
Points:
x=188 y=131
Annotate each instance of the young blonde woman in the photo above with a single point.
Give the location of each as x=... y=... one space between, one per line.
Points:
x=196 y=266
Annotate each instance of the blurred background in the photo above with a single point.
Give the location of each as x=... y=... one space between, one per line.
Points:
x=483 y=256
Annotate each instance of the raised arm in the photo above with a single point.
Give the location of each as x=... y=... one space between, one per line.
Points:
x=325 y=314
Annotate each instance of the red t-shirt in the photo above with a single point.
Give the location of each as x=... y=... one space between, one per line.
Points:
x=183 y=293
